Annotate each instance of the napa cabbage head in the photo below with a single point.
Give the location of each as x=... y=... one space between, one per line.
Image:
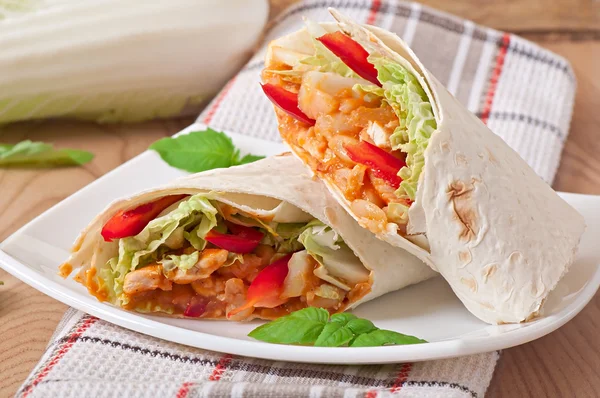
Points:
x=190 y=220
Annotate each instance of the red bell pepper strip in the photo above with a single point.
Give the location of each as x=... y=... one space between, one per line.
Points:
x=132 y=222
x=266 y=289
x=286 y=101
x=196 y=307
x=232 y=243
x=384 y=165
x=245 y=232
x=351 y=53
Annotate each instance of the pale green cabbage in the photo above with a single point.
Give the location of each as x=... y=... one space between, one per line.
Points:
x=150 y=244
x=417 y=122
x=329 y=250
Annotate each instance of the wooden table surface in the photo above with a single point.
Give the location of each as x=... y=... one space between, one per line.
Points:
x=564 y=363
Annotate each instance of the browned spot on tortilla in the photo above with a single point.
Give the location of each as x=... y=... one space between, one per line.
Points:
x=460 y=159
x=487 y=305
x=460 y=194
x=445 y=146
x=534 y=315
x=491 y=157
x=284 y=154
x=470 y=283
x=464 y=256
x=488 y=271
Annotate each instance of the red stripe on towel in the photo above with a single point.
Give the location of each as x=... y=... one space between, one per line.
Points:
x=375 y=6
x=402 y=377
x=184 y=390
x=215 y=106
x=220 y=368
x=61 y=353
x=489 y=97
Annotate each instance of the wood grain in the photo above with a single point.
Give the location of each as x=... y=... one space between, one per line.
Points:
x=27 y=317
x=564 y=363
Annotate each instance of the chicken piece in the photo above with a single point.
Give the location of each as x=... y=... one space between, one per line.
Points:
x=210 y=260
x=235 y=297
x=146 y=279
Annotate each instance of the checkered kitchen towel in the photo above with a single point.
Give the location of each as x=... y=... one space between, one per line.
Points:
x=523 y=92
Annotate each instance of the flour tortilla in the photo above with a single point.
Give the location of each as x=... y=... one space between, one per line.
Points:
x=279 y=187
x=498 y=234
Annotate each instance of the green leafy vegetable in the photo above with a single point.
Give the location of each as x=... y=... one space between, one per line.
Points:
x=313 y=326
x=300 y=327
x=200 y=151
x=196 y=213
x=405 y=95
x=381 y=337
x=39 y=154
x=338 y=264
x=334 y=334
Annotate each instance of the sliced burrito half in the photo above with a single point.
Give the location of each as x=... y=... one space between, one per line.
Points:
x=414 y=166
x=254 y=241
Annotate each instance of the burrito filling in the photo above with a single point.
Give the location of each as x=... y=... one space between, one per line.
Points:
x=198 y=257
x=358 y=120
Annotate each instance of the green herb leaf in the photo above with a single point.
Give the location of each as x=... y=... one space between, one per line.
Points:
x=334 y=334
x=312 y=326
x=381 y=337
x=250 y=158
x=39 y=154
x=300 y=327
x=200 y=151
x=361 y=326
x=343 y=318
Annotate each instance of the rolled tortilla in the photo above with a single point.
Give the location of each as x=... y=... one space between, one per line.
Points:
x=475 y=212
x=354 y=267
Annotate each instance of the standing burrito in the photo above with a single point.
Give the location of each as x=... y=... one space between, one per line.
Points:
x=415 y=167
x=254 y=241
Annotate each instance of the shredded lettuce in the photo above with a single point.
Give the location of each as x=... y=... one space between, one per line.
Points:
x=322 y=60
x=338 y=263
x=183 y=262
x=405 y=95
x=403 y=92
x=150 y=244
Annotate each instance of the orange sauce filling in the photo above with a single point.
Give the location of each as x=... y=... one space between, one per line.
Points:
x=212 y=291
x=321 y=147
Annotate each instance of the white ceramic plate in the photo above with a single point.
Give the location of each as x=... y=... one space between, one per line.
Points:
x=428 y=310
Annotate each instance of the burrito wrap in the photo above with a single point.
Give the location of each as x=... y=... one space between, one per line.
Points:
x=259 y=188
x=495 y=230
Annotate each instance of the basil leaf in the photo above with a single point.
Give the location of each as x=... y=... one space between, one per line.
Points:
x=382 y=337
x=343 y=318
x=200 y=150
x=360 y=326
x=334 y=334
x=250 y=158
x=312 y=314
x=39 y=154
x=300 y=327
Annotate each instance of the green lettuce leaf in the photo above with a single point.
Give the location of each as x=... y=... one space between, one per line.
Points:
x=408 y=99
x=322 y=59
x=339 y=264
x=183 y=262
x=149 y=245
